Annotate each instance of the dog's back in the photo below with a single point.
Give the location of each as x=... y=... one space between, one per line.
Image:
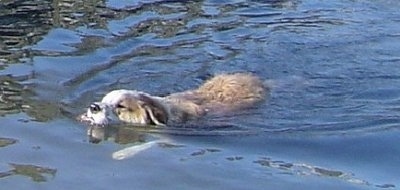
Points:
x=233 y=89
x=221 y=94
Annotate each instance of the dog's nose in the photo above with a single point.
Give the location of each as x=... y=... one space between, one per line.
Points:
x=94 y=108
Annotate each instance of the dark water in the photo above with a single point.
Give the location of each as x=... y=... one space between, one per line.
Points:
x=331 y=120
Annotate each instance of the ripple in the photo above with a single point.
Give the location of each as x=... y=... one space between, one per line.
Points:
x=378 y=94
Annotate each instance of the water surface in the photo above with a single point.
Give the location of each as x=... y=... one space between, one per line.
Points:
x=330 y=121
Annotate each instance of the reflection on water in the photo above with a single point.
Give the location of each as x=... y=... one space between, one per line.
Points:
x=22 y=23
x=36 y=173
x=16 y=97
x=11 y=100
x=333 y=67
x=7 y=141
x=120 y=135
x=125 y=134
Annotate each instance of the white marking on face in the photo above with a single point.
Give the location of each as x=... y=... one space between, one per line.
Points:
x=102 y=113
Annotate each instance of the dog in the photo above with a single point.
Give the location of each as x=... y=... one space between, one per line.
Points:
x=222 y=94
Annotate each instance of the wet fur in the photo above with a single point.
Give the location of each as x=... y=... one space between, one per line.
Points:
x=221 y=94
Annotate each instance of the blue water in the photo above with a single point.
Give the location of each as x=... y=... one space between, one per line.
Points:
x=330 y=121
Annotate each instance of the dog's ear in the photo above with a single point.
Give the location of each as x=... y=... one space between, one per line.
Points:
x=156 y=111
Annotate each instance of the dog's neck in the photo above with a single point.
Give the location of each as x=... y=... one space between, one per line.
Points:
x=180 y=109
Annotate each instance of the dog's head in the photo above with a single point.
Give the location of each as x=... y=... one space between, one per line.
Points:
x=126 y=106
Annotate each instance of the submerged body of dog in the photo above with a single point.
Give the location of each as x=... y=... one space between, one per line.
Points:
x=221 y=94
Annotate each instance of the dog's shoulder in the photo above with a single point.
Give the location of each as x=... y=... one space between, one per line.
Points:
x=184 y=106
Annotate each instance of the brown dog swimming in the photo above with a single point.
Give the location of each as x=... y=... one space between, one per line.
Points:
x=221 y=94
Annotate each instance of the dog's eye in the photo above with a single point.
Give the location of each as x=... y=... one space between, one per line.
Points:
x=94 y=108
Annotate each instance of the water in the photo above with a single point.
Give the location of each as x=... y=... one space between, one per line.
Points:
x=330 y=121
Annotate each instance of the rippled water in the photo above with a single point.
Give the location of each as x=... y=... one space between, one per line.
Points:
x=330 y=121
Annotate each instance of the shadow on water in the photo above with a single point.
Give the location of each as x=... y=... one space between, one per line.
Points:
x=58 y=56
